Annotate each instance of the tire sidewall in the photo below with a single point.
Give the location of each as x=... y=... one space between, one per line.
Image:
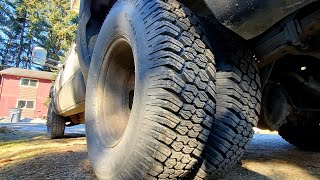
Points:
x=49 y=121
x=123 y=20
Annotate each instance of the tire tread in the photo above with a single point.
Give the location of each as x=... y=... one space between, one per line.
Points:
x=237 y=107
x=182 y=93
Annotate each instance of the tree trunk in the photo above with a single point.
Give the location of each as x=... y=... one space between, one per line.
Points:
x=8 y=46
x=21 y=40
x=29 y=55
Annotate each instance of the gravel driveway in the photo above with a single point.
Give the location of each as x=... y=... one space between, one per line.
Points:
x=34 y=156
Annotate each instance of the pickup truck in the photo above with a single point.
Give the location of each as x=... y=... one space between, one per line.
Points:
x=171 y=89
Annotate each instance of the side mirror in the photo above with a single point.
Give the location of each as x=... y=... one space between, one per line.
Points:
x=39 y=56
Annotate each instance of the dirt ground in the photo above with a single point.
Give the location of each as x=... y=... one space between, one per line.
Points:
x=37 y=157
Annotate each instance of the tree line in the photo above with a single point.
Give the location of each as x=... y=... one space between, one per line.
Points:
x=25 y=24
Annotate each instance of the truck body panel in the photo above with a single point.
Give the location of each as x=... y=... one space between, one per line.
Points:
x=69 y=87
x=250 y=18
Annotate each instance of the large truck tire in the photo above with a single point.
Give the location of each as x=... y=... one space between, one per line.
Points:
x=150 y=96
x=55 y=124
x=302 y=134
x=238 y=103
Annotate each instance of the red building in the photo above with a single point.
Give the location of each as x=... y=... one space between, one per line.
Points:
x=24 y=89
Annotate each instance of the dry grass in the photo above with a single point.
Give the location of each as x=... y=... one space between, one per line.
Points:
x=19 y=150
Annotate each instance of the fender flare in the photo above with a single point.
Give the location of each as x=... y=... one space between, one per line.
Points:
x=89 y=26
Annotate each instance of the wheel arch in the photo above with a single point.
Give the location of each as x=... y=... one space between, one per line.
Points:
x=91 y=17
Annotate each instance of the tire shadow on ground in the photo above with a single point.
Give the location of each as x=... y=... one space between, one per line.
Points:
x=68 y=164
x=73 y=135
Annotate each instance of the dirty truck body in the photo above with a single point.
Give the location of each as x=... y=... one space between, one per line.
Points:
x=171 y=89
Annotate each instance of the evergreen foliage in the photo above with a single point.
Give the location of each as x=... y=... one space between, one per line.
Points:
x=25 y=24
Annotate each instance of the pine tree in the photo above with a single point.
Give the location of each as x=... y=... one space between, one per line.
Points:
x=7 y=35
x=29 y=23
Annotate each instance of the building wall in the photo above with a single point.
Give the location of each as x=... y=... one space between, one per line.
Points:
x=42 y=94
x=1 y=79
x=28 y=93
x=12 y=91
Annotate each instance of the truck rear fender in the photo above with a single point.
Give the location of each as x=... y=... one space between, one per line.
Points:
x=91 y=17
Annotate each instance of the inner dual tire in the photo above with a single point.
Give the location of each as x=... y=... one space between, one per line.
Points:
x=238 y=103
x=150 y=98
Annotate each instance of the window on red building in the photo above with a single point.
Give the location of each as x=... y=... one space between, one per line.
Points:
x=29 y=82
x=24 y=104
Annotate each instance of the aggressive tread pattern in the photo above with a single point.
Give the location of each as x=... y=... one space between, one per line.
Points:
x=238 y=106
x=181 y=101
x=55 y=124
